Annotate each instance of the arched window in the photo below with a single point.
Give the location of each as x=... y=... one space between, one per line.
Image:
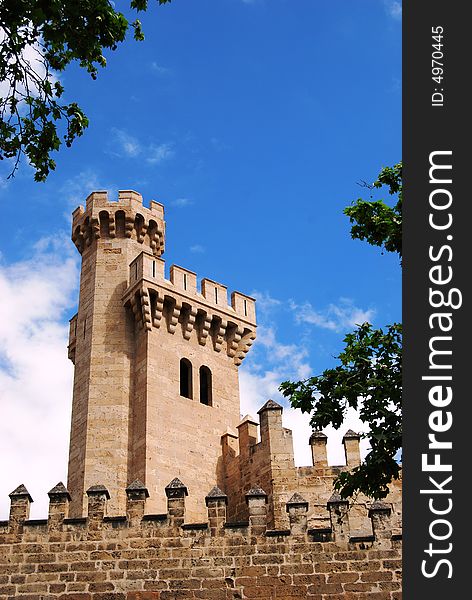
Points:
x=120 y=223
x=205 y=386
x=104 y=218
x=185 y=378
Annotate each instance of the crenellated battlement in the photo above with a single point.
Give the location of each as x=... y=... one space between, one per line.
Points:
x=125 y=218
x=141 y=556
x=176 y=302
x=173 y=521
x=263 y=452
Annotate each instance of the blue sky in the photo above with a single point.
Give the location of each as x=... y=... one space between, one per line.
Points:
x=252 y=121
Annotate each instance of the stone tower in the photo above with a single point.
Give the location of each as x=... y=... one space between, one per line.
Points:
x=156 y=361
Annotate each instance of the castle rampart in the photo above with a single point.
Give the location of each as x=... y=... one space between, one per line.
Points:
x=176 y=301
x=270 y=463
x=139 y=556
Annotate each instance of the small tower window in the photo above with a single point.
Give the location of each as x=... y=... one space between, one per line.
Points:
x=205 y=386
x=185 y=378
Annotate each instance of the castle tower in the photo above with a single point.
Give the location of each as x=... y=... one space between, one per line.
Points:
x=156 y=361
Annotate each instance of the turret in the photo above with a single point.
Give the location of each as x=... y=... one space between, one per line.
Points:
x=127 y=218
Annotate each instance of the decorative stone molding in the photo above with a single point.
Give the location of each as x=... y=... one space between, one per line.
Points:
x=220 y=330
x=205 y=328
x=101 y=217
x=153 y=298
x=189 y=324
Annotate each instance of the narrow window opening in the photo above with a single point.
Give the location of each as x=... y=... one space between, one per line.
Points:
x=138 y=226
x=136 y=270
x=153 y=299
x=185 y=378
x=120 y=223
x=185 y=281
x=216 y=295
x=153 y=268
x=245 y=308
x=205 y=386
x=104 y=220
x=85 y=324
x=168 y=309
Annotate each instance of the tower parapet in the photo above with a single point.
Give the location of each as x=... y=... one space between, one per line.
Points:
x=270 y=464
x=175 y=303
x=125 y=218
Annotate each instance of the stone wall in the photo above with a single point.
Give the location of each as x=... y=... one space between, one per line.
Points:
x=151 y=557
x=270 y=463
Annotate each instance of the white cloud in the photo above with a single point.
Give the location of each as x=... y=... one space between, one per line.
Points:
x=218 y=144
x=33 y=57
x=127 y=144
x=289 y=356
x=76 y=189
x=197 y=249
x=181 y=202
x=393 y=8
x=336 y=317
x=36 y=298
x=265 y=302
x=160 y=153
x=159 y=69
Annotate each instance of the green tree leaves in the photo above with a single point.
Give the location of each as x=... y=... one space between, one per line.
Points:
x=38 y=40
x=375 y=221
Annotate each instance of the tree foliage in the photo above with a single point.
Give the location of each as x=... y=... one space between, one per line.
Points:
x=39 y=39
x=368 y=377
x=375 y=221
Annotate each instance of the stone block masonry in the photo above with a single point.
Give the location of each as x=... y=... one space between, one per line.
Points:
x=140 y=556
x=262 y=454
